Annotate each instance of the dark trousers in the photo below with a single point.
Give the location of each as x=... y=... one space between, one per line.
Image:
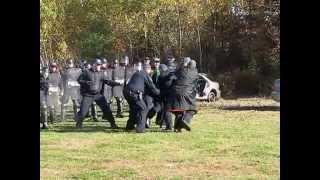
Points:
x=164 y=117
x=93 y=111
x=43 y=107
x=101 y=102
x=119 y=101
x=137 y=111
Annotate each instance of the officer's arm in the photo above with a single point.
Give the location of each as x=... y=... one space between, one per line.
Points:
x=109 y=82
x=81 y=79
x=150 y=85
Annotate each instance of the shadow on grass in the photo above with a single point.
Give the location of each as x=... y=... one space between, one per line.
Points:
x=98 y=128
x=255 y=108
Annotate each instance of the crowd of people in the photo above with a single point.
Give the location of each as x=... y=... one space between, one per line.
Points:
x=150 y=88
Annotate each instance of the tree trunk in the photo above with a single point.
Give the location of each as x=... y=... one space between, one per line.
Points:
x=200 y=50
x=180 y=32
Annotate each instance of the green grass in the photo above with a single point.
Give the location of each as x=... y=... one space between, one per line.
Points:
x=223 y=144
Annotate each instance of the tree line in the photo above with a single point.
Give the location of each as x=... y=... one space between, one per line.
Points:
x=236 y=42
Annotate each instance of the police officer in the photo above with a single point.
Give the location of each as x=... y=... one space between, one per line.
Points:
x=128 y=71
x=44 y=86
x=134 y=93
x=86 y=66
x=54 y=90
x=171 y=63
x=71 y=88
x=92 y=81
x=118 y=76
x=107 y=90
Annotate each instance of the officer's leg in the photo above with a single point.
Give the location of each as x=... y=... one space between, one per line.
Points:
x=51 y=114
x=88 y=114
x=84 y=108
x=107 y=113
x=188 y=115
x=64 y=100
x=141 y=115
x=75 y=107
x=94 y=111
x=154 y=110
x=119 y=107
x=44 y=116
x=131 y=121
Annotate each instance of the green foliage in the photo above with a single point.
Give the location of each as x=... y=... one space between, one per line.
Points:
x=222 y=36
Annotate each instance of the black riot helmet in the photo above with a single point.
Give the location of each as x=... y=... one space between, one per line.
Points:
x=97 y=62
x=124 y=61
x=70 y=63
x=52 y=66
x=104 y=61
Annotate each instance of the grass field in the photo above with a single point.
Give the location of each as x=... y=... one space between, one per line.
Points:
x=232 y=139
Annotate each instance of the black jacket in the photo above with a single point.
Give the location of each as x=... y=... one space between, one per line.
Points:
x=183 y=90
x=91 y=82
x=140 y=81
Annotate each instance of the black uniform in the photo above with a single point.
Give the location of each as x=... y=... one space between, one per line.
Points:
x=118 y=76
x=44 y=86
x=134 y=92
x=71 y=89
x=91 y=84
x=55 y=86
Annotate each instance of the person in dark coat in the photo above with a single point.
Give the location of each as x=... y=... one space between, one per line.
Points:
x=182 y=100
x=164 y=86
x=91 y=82
x=134 y=92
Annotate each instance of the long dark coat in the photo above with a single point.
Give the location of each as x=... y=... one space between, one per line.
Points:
x=183 y=90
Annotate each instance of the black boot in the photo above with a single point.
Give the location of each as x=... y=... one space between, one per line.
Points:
x=114 y=125
x=79 y=124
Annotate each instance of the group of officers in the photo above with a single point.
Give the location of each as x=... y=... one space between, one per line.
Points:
x=150 y=89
